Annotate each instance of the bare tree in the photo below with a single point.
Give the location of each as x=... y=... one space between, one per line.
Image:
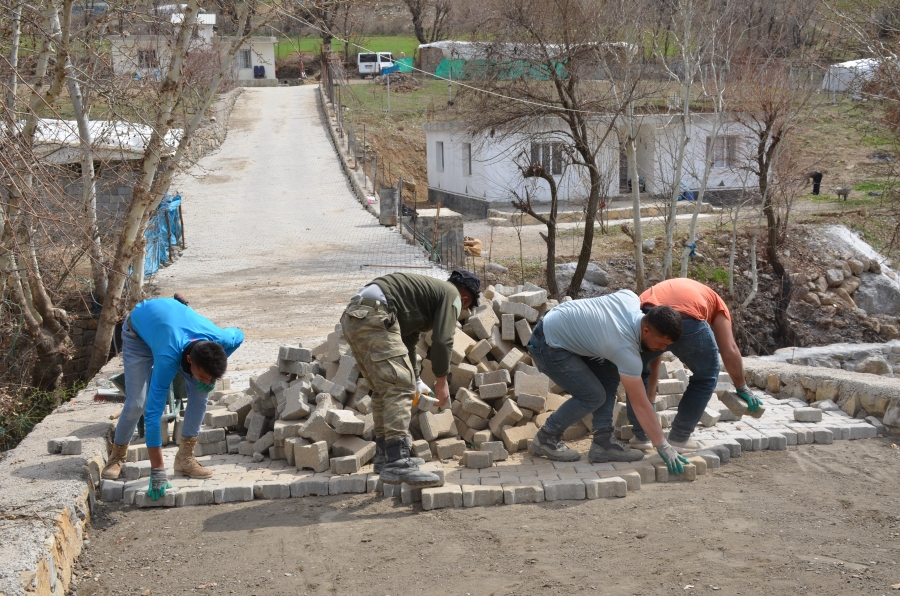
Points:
x=435 y=10
x=542 y=70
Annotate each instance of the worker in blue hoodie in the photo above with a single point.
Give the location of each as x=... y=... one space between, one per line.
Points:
x=162 y=338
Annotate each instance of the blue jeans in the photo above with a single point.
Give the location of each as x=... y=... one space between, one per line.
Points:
x=592 y=383
x=698 y=351
x=138 y=360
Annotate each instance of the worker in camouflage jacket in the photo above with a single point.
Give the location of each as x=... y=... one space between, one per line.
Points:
x=382 y=324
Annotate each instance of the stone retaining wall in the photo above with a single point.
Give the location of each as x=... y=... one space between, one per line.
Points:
x=852 y=391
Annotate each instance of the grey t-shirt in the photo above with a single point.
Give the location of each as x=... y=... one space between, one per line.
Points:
x=607 y=327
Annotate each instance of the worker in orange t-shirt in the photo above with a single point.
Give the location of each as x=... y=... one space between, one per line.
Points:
x=706 y=333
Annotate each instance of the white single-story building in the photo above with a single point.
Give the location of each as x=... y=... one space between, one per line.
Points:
x=469 y=172
x=148 y=55
x=254 y=58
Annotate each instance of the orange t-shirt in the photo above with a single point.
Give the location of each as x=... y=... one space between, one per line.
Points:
x=688 y=297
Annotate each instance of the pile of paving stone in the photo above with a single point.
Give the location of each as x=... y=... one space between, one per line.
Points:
x=312 y=411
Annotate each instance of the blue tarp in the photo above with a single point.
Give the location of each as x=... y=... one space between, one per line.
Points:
x=159 y=235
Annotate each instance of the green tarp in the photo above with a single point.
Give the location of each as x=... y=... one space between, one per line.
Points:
x=458 y=69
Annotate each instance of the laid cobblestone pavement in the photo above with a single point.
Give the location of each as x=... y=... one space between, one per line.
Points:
x=276 y=240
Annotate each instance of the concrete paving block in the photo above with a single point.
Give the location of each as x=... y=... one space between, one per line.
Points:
x=442 y=497
x=54 y=446
x=479 y=351
x=435 y=426
x=193 y=496
x=352 y=484
x=353 y=445
x=489 y=378
x=862 y=431
x=476 y=460
x=68 y=445
x=317 y=429
x=711 y=458
x=492 y=391
x=808 y=415
x=699 y=463
x=523 y=331
x=632 y=480
x=345 y=422
x=141 y=499
x=878 y=425
x=448 y=448
x=575 y=432
x=531 y=384
x=421 y=449
x=521 y=311
x=296 y=404
x=689 y=474
x=373 y=483
x=496 y=449
x=738 y=406
x=471 y=404
x=286 y=429
x=564 y=490
x=521 y=494
x=220 y=418
x=245 y=448
x=347 y=464
x=296 y=354
x=805 y=436
x=135 y=470
x=517 y=438
x=662 y=472
x=605 y=488
x=474 y=422
x=533 y=299
x=255 y=423
x=409 y=495
x=512 y=358
x=313 y=456
x=790 y=436
x=313 y=486
x=508 y=414
x=241 y=405
x=232 y=441
x=391 y=490
x=535 y=403
x=777 y=441
x=508 y=327
x=710 y=417
x=262 y=384
x=483 y=436
x=481 y=496
x=483 y=323
x=272 y=490
x=264 y=442
x=111 y=490
x=823 y=437
x=137 y=453
x=669 y=386
x=201 y=449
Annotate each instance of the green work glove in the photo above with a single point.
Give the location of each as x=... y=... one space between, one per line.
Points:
x=159 y=482
x=674 y=462
x=753 y=402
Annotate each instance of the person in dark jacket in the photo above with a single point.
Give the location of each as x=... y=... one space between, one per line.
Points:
x=382 y=324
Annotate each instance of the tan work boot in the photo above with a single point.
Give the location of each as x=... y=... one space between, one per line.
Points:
x=186 y=463
x=116 y=461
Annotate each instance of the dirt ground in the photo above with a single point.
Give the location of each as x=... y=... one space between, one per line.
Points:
x=821 y=519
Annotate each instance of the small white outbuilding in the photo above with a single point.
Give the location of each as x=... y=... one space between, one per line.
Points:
x=849 y=76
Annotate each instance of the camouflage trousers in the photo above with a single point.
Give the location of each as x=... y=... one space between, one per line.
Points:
x=383 y=359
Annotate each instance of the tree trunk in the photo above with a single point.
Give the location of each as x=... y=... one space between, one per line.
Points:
x=11 y=99
x=631 y=155
x=587 y=244
x=142 y=195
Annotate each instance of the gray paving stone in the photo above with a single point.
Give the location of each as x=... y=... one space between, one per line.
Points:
x=308 y=487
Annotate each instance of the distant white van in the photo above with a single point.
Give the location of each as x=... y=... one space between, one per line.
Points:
x=371 y=63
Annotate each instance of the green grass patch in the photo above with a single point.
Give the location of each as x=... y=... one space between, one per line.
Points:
x=704 y=274
x=21 y=413
x=395 y=44
x=872 y=185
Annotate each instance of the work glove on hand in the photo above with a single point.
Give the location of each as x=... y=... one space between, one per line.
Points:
x=159 y=482
x=674 y=462
x=753 y=402
x=421 y=389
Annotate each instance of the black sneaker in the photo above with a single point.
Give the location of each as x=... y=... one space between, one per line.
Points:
x=606 y=447
x=552 y=447
x=380 y=458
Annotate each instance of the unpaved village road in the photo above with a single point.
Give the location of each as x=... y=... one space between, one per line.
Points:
x=275 y=241
x=818 y=519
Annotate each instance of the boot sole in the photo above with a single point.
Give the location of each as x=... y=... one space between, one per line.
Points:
x=602 y=459
x=415 y=484
x=540 y=451
x=185 y=474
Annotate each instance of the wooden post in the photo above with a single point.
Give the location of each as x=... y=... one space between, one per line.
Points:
x=437 y=217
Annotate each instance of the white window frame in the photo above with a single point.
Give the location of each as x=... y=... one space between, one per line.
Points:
x=725 y=152
x=439 y=155
x=244 y=59
x=549 y=155
x=467 y=159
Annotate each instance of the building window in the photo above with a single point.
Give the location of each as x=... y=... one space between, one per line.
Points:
x=243 y=57
x=439 y=156
x=549 y=156
x=147 y=59
x=725 y=151
x=467 y=159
